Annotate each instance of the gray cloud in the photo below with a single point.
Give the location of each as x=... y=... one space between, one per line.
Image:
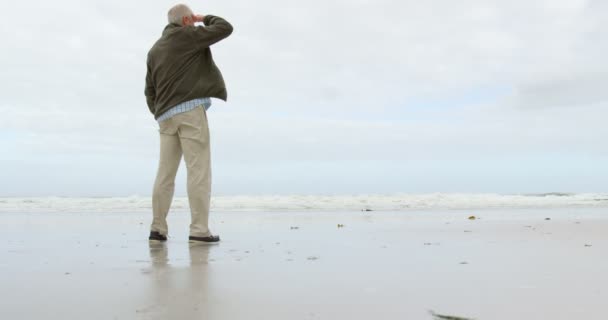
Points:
x=311 y=84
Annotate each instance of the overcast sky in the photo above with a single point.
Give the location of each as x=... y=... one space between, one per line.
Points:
x=325 y=97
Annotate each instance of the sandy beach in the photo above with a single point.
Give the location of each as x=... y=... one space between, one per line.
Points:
x=506 y=264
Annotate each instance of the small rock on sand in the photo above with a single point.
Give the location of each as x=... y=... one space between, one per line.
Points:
x=437 y=316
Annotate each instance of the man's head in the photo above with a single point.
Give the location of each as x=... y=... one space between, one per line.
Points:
x=181 y=14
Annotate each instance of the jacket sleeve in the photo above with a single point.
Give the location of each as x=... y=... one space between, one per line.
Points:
x=150 y=91
x=215 y=30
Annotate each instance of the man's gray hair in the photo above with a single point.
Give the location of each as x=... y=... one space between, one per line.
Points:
x=178 y=12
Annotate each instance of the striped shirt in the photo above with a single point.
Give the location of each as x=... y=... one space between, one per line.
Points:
x=185 y=107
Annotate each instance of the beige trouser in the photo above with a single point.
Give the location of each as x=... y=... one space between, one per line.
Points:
x=186 y=133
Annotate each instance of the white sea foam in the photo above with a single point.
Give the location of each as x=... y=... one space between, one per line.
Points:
x=396 y=202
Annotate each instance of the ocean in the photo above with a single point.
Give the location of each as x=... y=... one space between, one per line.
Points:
x=278 y=203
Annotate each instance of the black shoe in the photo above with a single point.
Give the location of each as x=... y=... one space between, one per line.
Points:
x=209 y=239
x=155 y=235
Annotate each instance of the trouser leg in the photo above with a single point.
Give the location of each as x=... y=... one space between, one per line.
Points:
x=164 y=185
x=194 y=137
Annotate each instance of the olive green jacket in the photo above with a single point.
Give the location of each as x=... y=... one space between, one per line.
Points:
x=181 y=67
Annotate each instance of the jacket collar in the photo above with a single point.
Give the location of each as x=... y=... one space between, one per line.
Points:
x=170 y=27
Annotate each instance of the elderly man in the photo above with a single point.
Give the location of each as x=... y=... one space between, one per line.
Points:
x=180 y=81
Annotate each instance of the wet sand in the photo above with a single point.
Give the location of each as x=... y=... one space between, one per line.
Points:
x=509 y=264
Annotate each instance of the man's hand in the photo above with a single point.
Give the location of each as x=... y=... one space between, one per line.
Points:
x=198 y=17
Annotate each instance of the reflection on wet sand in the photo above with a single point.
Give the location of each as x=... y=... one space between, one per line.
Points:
x=380 y=265
x=179 y=292
x=158 y=254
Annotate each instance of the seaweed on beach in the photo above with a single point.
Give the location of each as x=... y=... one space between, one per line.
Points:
x=437 y=316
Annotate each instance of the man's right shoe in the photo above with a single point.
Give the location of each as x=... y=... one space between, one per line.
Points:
x=155 y=235
x=209 y=239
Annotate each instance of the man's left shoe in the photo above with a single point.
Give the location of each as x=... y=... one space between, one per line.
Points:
x=209 y=239
x=155 y=235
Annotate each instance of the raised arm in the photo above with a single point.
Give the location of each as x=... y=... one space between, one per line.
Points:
x=215 y=30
